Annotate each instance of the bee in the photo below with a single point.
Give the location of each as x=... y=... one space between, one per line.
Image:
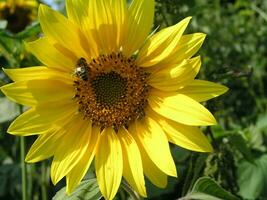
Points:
x=82 y=69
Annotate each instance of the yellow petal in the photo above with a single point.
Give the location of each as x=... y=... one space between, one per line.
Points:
x=150 y=137
x=31 y=4
x=75 y=176
x=140 y=20
x=78 y=13
x=18 y=93
x=77 y=10
x=154 y=174
x=108 y=163
x=180 y=108
x=51 y=55
x=177 y=76
x=186 y=48
x=107 y=19
x=25 y=125
x=46 y=144
x=59 y=29
x=72 y=148
x=33 y=73
x=200 y=90
x=132 y=162
x=119 y=10
x=2 y=4
x=40 y=118
x=188 y=137
x=162 y=44
x=32 y=92
x=101 y=22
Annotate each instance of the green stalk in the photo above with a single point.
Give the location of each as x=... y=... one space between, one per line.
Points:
x=23 y=165
x=23 y=168
x=43 y=181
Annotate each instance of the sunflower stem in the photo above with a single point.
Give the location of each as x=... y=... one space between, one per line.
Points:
x=130 y=191
x=23 y=168
x=23 y=165
x=43 y=181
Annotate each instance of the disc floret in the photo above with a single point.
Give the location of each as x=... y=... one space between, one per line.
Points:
x=115 y=92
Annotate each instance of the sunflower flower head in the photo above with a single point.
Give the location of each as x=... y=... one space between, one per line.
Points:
x=108 y=93
x=18 y=13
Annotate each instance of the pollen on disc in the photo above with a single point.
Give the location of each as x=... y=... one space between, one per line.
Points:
x=109 y=88
x=115 y=92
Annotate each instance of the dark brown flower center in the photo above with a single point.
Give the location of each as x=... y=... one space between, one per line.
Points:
x=18 y=19
x=111 y=90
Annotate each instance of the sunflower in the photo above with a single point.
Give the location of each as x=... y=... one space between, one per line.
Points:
x=18 y=13
x=110 y=93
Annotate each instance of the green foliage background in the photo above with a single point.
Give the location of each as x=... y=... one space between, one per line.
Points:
x=234 y=54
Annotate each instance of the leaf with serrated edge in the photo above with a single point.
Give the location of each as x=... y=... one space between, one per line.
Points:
x=86 y=190
x=207 y=189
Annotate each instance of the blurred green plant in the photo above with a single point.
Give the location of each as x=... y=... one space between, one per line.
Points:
x=234 y=54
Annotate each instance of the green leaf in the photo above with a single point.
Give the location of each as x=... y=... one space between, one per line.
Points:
x=29 y=31
x=8 y=110
x=240 y=144
x=262 y=122
x=200 y=196
x=218 y=132
x=206 y=188
x=252 y=178
x=86 y=190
